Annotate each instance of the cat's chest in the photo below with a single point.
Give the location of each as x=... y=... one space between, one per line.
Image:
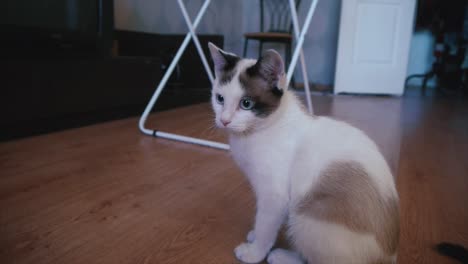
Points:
x=260 y=156
x=247 y=154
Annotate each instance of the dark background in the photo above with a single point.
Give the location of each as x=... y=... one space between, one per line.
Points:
x=66 y=67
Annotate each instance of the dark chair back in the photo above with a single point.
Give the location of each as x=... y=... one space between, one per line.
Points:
x=275 y=16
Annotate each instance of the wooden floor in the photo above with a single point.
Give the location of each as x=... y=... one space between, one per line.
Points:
x=108 y=194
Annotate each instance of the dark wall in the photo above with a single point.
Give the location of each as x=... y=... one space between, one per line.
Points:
x=79 y=15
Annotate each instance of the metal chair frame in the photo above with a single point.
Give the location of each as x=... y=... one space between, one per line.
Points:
x=300 y=35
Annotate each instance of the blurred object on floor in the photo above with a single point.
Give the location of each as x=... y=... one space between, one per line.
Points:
x=448 y=22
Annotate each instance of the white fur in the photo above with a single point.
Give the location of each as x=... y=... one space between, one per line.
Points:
x=282 y=156
x=282 y=256
x=323 y=242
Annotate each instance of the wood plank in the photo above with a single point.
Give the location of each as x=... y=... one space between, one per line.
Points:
x=108 y=194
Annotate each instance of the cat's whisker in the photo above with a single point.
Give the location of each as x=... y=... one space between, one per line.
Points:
x=209 y=131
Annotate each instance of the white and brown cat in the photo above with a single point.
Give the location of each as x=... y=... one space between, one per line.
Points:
x=326 y=180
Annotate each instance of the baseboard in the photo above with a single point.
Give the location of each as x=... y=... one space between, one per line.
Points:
x=316 y=87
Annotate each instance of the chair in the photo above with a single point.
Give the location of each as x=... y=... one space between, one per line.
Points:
x=277 y=15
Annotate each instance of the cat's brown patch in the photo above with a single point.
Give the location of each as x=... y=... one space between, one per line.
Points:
x=346 y=195
x=224 y=63
x=260 y=82
x=267 y=98
x=228 y=70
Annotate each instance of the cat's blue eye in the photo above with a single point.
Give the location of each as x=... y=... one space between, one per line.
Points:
x=247 y=103
x=219 y=99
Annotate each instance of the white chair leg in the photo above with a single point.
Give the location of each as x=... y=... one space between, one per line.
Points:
x=192 y=35
x=302 y=58
x=195 y=40
x=163 y=82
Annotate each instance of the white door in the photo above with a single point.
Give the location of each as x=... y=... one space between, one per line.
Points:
x=373 y=46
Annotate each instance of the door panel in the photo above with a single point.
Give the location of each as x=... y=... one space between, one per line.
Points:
x=373 y=46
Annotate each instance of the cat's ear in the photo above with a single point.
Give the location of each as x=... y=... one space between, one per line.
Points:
x=223 y=61
x=271 y=66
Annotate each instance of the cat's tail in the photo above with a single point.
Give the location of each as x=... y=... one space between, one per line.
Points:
x=454 y=251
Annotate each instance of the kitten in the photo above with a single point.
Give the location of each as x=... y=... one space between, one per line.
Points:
x=326 y=179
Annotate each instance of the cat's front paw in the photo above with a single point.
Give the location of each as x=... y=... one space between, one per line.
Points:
x=251 y=236
x=249 y=253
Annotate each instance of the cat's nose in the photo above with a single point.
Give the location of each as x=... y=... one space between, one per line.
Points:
x=225 y=122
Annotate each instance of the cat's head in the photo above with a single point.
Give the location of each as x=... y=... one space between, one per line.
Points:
x=246 y=92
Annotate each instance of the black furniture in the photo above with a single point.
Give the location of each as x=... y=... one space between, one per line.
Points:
x=44 y=92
